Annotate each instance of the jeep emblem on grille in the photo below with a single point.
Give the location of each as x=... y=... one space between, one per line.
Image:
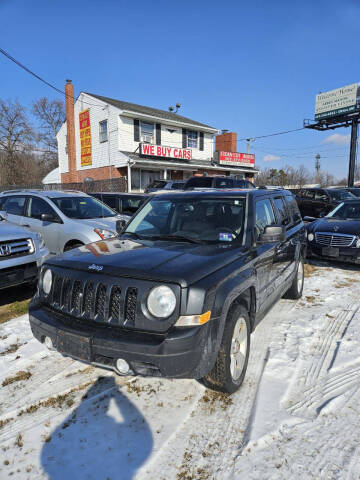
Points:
x=336 y=228
x=5 y=250
x=98 y=268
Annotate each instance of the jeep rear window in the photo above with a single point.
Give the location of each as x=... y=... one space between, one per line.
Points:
x=199 y=182
x=198 y=219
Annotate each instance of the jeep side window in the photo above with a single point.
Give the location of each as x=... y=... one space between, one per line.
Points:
x=309 y=194
x=264 y=216
x=282 y=213
x=224 y=183
x=293 y=209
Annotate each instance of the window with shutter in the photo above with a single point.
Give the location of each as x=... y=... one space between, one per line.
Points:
x=201 y=142
x=158 y=134
x=136 y=130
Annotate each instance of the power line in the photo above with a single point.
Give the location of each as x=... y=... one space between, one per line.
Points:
x=272 y=134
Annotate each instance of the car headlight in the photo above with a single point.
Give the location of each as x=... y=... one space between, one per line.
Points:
x=47 y=281
x=104 y=233
x=310 y=237
x=357 y=244
x=161 y=301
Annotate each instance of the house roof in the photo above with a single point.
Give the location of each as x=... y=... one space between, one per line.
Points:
x=164 y=114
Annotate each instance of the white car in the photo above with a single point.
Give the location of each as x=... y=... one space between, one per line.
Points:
x=65 y=219
x=21 y=254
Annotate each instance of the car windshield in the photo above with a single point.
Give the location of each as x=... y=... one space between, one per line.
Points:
x=340 y=195
x=346 y=211
x=198 y=220
x=83 y=207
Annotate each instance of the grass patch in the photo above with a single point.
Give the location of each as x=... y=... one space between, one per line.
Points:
x=17 y=378
x=16 y=309
x=310 y=270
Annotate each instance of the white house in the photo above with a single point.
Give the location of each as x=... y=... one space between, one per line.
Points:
x=104 y=138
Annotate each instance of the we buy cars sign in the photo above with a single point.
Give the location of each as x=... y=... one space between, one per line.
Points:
x=236 y=159
x=165 y=152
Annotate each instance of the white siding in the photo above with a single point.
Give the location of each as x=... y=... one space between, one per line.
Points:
x=120 y=136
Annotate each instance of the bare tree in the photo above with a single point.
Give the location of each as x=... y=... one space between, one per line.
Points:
x=50 y=115
x=16 y=139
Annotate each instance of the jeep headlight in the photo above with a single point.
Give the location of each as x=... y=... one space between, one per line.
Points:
x=357 y=244
x=41 y=240
x=47 y=281
x=310 y=237
x=161 y=302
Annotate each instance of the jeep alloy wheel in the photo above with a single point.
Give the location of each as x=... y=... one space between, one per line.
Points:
x=238 y=348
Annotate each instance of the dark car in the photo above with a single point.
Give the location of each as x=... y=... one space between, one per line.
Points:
x=165 y=185
x=354 y=190
x=317 y=202
x=337 y=236
x=124 y=203
x=217 y=182
x=178 y=293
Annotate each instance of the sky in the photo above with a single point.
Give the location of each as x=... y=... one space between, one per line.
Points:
x=252 y=67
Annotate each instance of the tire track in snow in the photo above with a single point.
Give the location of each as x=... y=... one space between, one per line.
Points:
x=312 y=381
x=213 y=434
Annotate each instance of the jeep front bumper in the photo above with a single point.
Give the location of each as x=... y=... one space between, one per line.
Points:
x=186 y=352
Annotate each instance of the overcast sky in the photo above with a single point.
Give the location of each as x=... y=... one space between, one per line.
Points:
x=253 y=67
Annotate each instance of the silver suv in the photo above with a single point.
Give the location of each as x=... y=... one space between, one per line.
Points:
x=65 y=219
x=21 y=254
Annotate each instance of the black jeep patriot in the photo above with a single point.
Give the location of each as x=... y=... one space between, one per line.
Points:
x=178 y=293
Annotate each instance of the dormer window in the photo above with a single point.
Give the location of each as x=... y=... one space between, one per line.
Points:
x=147 y=132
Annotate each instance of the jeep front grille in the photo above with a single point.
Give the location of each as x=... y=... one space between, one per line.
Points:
x=16 y=248
x=94 y=301
x=328 y=239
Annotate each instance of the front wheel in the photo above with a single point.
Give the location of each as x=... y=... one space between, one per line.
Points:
x=232 y=359
x=296 y=290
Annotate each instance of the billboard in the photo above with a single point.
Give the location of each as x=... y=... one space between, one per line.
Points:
x=85 y=138
x=336 y=102
x=236 y=159
x=165 y=152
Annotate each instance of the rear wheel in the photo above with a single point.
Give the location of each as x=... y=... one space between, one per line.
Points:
x=232 y=359
x=296 y=290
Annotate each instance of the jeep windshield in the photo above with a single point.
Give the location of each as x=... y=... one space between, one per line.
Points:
x=346 y=211
x=195 y=220
x=82 y=208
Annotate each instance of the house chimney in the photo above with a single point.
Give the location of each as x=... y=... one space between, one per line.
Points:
x=226 y=142
x=70 y=125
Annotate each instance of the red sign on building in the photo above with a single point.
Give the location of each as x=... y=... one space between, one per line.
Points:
x=165 y=152
x=236 y=159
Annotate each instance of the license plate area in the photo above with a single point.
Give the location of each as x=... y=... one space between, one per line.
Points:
x=74 y=345
x=330 y=252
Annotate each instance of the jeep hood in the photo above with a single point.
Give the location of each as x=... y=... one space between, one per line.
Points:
x=176 y=262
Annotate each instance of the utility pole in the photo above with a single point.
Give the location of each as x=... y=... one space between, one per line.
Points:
x=352 y=162
x=248 y=143
x=317 y=166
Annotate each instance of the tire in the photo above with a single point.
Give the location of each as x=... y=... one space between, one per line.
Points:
x=70 y=246
x=226 y=376
x=296 y=290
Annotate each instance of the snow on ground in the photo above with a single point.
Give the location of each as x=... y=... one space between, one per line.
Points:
x=296 y=415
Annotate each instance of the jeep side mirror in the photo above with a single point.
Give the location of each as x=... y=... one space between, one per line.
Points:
x=120 y=225
x=272 y=234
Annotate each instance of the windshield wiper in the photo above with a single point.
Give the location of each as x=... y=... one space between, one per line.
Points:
x=181 y=238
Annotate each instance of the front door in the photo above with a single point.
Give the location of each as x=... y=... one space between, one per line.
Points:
x=49 y=228
x=264 y=254
x=284 y=251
